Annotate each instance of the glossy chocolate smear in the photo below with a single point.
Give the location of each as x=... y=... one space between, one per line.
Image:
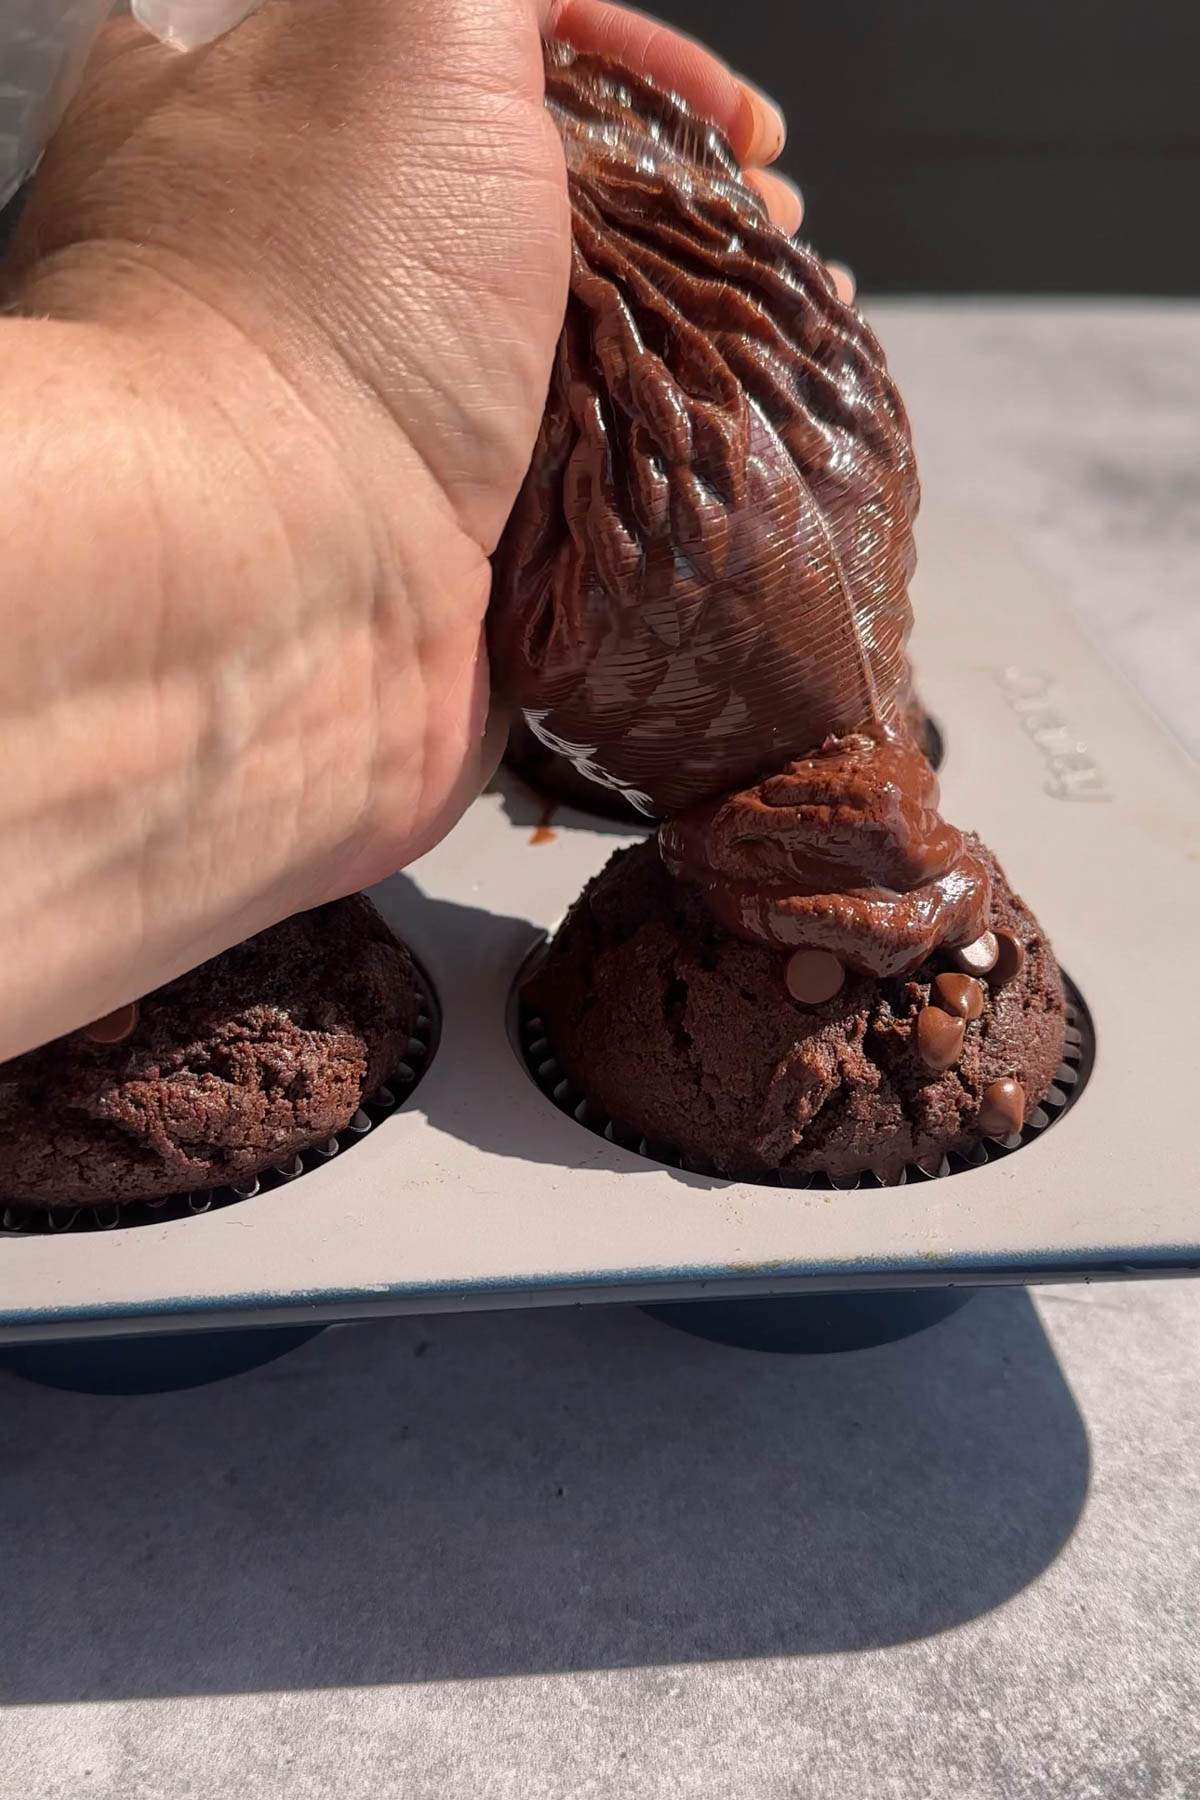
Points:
x=843 y=851
x=706 y=570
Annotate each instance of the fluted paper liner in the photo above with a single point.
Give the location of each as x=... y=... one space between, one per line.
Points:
x=537 y=1053
x=24 y=1221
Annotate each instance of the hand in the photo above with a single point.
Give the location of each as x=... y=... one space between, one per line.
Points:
x=364 y=203
x=323 y=263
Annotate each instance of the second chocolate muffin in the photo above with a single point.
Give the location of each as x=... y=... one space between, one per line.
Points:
x=264 y=1051
x=690 y=1036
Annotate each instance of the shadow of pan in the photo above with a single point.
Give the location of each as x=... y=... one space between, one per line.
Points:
x=501 y=1493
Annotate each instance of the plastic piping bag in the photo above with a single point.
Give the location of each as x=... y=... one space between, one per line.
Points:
x=44 y=46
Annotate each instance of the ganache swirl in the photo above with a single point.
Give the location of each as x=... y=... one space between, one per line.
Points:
x=843 y=851
x=706 y=570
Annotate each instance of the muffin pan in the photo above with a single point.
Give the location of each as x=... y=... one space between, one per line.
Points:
x=477 y=1190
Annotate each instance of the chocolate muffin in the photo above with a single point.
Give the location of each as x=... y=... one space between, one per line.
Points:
x=691 y=1036
x=260 y=1053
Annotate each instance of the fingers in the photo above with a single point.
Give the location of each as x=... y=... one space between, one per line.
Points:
x=784 y=201
x=760 y=132
x=785 y=205
x=751 y=122
x=843 y=281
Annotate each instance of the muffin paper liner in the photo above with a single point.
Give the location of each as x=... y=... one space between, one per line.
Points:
x=26 y=1221
x=1070 y=1079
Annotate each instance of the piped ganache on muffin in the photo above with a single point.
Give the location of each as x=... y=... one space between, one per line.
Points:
x=263 y=1052
x=772 y=1005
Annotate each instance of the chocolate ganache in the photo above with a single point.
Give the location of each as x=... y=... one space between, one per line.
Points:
x=842 y=851
x=706 y=570
x=705 y=576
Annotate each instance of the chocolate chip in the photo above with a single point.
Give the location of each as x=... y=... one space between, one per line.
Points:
x=939 y=1038
x=814 y=976
x=114 y=1027
x=1010 y=959
x=1002 y=1110
x=959 y=995
x=976 y=958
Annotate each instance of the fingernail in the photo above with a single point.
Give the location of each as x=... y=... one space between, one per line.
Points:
x=792 y=223
x=783 y=198
x=762 y=125
x=843 y=281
